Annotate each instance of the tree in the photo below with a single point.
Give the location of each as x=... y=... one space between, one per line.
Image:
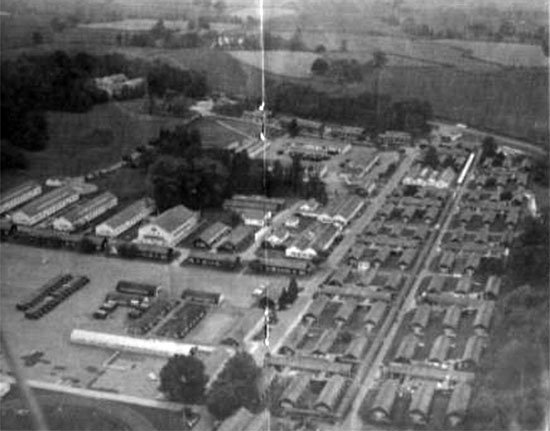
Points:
x=86 y=246
x=183 y=379
x=319 y=67
x=488 y=147
x=320 y=49
x=379 y=61
x=430 y=158
x=293 y=289
x=220 y=6
x=235 y=387
x=37 y=38
x=292 y=128
x=507 y=29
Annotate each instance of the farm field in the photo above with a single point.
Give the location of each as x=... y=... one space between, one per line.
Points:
x=136 y=25
x=507 y=54
x=214 y=134
x=289 y=63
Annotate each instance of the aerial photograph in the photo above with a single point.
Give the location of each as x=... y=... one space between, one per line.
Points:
x=274 y=215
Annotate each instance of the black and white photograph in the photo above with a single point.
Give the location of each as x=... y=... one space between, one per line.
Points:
x=274 y=215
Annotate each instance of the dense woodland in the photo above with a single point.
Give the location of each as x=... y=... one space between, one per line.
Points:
x=303 y=101
x=32 y=85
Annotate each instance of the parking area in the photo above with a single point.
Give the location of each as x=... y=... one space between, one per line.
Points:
x=52 y=357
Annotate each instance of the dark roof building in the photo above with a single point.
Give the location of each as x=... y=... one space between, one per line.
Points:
x=472 y=353
x=440 y=349
x=345 y=311
x=331 y=394
x=325 y=342
x=406 y=349
x=382 y=406
x=492 y=288
x=458 y=404
x=292 y=393
x=316 y=308
x=375 y=314
x=211 y=235
x=484 y=316
x=237 y=239
x=421 y=402
x=421 y=318
x=356 y=348
x=452 y=319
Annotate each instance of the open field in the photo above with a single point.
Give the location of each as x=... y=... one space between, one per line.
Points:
x=295 y=64
x=136 y=25
x=507 y=54
x=80 y=143
x=62 y=361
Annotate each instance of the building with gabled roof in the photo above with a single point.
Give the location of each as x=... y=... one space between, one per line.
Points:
x=436 y=283
x=375 y=314
x=447 y=261
x=421 y=402
x=316 y=308
x=484 y=317
x=452 y=319
x=19 y=195
x=45 y=206
x=286 y=266
x=464 y=285
x=293 y=391
x=325 y=342
x=406 y=349
x=440 y=349
x=458 y=404
x=79 y=215
x=237 y=239
x=381 y=408
x=294 y=338
x=393 y=282
x=125 y=219
x=340 y=276
x=170 y=227
x=211 y=235
x=330 y=395
x=492 y=288
x=355 y=349
x=420 y=318
x=345 y=311
x=472 y=353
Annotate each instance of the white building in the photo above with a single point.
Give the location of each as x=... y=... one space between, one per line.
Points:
x=45 y=206
x=170 y=227
x=85 y=212
x=19 y=195
x=259 y=218
x=125 y=219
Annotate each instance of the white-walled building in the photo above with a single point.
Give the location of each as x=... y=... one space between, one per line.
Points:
x=170 y=227
x=19 y=195
x=125 y=219
x=45 y=206
x=85 y=212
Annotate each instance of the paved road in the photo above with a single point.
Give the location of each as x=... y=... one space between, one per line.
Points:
x=373 y=206
x=528 y=147
x=403 y=304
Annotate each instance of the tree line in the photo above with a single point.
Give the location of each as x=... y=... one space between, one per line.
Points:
x=360 y=110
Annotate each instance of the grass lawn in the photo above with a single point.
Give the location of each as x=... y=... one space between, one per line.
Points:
x=80 y=143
